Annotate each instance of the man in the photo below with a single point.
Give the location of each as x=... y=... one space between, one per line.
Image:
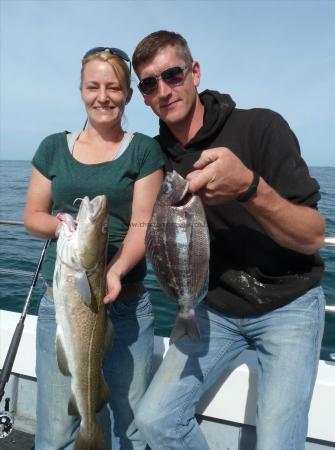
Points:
x=264 y=289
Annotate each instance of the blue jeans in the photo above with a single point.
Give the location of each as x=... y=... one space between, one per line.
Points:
x=287 y=341
x=127 y=369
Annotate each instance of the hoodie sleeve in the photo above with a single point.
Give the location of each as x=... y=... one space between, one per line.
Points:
x=281 y=165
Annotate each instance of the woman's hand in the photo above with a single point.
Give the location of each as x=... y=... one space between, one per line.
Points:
x=68 y=220
x=113 y=286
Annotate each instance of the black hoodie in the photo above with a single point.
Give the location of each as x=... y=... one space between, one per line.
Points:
x=249 y=272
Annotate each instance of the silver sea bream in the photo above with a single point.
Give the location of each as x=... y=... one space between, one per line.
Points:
x=177 y=243
x=83 y=330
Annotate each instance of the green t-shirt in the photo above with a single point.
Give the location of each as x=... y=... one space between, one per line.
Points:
x=71 y=179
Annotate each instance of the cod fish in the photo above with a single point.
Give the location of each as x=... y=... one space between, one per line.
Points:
x=177 y=244
x=83 y=330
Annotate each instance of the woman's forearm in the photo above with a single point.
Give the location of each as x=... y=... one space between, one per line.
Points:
x=41 y=224
x=130 y=253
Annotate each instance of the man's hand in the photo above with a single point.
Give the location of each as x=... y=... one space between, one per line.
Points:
x=219 y=176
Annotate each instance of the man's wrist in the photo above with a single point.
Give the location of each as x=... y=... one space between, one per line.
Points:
x=251 y=191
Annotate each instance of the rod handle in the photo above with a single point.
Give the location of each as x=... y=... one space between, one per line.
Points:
x=10 y=357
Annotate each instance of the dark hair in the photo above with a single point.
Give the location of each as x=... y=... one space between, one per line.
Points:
x=151 y=44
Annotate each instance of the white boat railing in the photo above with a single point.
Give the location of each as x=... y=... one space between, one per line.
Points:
x=330 y=242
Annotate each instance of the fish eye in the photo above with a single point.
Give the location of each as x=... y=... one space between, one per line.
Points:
x=166 y=188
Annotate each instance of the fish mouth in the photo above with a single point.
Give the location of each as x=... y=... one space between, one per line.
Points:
x=91 y=208
x=185 y=199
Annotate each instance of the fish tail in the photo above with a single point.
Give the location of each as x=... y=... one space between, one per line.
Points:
x=92 y=440
x=185 y=325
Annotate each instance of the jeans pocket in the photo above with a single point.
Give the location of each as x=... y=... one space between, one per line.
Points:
x=310 y=303
x=132 y=307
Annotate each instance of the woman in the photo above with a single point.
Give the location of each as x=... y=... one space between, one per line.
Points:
x=102 y=159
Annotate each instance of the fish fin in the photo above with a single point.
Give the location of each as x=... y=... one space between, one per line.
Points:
x=93 y=440
x=185 y=326
x=56 y=277
x=109 y=333
x=83 y=287
x=61 y=356
x=72 y=408
x=104 y=395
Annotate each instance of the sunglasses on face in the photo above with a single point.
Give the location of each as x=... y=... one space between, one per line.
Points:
x=174 y=76
x=114 y=51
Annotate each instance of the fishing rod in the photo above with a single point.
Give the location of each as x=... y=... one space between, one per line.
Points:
x=6 y=421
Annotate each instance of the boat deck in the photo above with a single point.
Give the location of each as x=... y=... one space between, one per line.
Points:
x=18 y=440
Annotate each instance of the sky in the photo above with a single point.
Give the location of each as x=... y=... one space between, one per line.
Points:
x=276 y=54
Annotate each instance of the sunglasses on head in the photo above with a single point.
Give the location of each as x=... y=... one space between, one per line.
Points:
x=114 y=51
x=174 y=76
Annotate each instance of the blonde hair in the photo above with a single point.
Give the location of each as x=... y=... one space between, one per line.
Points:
x=120 y=68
